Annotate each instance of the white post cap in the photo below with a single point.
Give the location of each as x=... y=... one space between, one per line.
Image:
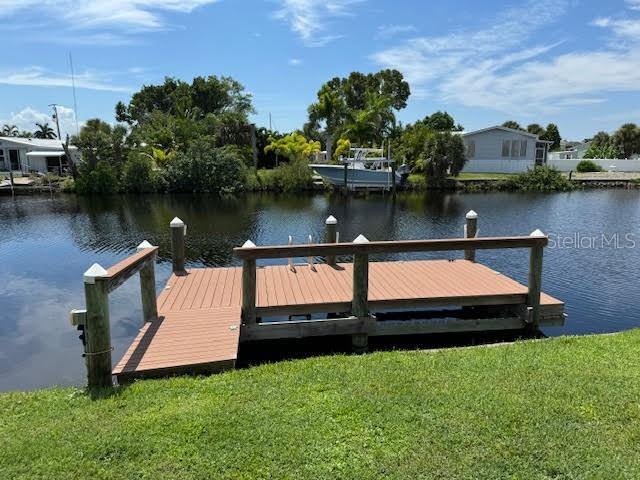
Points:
x=471 y=215
x=176 y=223
x=143 y=246
x=248 y=244
x=331 y=220
x=537 y=233
x=361 y=239
x=95 y=271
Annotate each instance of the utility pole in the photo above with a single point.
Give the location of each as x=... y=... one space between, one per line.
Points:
x=55 y=117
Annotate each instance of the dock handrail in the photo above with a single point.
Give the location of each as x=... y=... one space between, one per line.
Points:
x=361 y=248
x=373 y=247
x=94 y=320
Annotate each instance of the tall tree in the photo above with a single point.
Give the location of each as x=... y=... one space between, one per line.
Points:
x=536 y=129
x=512 y=124
x=44 y=131
x=627 y=139
x=444 y=155
x=10 y=131
x=440 y=121
x=601 y=139
x=328 y=115
x=210 y=95
x=552 y=134
x=362 y=104
x=99 y=141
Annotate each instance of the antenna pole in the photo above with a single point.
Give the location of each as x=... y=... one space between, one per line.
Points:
x=75 y=101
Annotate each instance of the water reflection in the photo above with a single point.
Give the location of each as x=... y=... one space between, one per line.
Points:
x=46 y=243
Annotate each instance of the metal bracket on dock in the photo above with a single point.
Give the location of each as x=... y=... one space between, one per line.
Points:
x=78 y=317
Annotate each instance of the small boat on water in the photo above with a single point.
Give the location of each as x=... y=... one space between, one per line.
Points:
x=363 y=169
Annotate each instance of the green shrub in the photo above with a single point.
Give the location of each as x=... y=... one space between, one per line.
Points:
x=102 y=179
x=204 y=168
x=139 y=175
x=68 y=185
x=294 y=176
x=288 y=177
x=540 y=179
x=588 y=166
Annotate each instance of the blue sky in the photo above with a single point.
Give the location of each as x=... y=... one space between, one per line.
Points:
x=572 y=62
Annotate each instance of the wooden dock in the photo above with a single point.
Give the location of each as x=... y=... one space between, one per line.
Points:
x=203 y=314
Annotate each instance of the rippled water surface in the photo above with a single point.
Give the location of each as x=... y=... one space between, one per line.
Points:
x=46 y=243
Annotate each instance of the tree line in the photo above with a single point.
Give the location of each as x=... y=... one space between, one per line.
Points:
x=42 y=130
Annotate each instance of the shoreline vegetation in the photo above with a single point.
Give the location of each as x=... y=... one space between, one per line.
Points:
x=197 y=136
x=288 y=180
x=529 y=409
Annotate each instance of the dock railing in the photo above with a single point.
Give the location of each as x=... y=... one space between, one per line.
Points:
x=361 y=248
x=94 y=320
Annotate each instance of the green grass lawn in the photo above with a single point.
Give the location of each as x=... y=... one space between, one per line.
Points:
x=559 y=408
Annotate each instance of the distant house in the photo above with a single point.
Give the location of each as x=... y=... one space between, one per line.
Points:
x=27 y=155
x=503 y=150
x=570 y=151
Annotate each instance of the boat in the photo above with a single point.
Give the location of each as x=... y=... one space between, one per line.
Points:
x=363 y=169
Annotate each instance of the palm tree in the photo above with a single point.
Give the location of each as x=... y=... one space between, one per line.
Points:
x=44 y=131
x=10 y=131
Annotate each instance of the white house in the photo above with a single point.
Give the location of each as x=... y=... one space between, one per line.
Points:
x=503 y=150
x=25 y=155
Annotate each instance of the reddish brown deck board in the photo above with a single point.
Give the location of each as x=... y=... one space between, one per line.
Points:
x=200 y=311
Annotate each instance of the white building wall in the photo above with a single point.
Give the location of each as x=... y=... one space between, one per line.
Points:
x=488 y=153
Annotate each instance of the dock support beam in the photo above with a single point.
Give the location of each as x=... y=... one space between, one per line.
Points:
x=97 y=331
x=346 y=184
x=360 y=302
x=535 y=282
x=248 y=288
x=393 y=176
x=470 y=231
x=178 y=229
x=331 y=224
x=148 y=286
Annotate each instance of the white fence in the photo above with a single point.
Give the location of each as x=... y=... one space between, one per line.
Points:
x=566 y=165
x=609 y=165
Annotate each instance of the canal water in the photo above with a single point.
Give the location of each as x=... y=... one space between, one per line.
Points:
x=46 y=243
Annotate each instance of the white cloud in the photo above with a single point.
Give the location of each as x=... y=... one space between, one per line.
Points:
x=627 y=29
x=634 y=4
x=295 y=62
x=40 y=77
x=310 y=19
x=123 y=15
x=388 y=31
x=27 y=118
x=496 y=67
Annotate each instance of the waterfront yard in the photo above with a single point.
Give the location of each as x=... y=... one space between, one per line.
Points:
x=559 y=408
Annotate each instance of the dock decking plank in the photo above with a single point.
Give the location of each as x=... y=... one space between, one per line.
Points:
x=200 y=313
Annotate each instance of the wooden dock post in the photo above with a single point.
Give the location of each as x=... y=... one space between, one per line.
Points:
x=393 y=177
x=331 y=224
x=148 y=286
x=178 y=230
x=535 y=281
x=248 y=287
x=360 y=302
x=471 y=229
x=97 y=330
x=346 y=184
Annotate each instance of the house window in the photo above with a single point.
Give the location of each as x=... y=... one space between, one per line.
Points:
x=523 y=148
x=515 y=148
x=471 y=148
x=505 y=148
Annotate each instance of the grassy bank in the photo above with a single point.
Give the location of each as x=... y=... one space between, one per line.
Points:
x=560 y=408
